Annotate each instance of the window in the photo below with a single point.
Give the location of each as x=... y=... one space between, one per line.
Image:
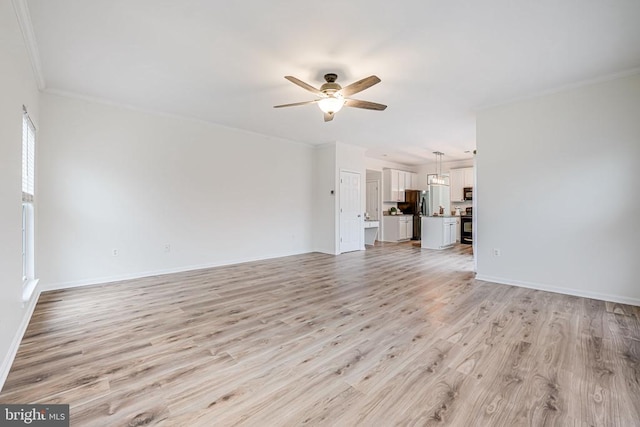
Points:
x=28 y=193
x=28 y=158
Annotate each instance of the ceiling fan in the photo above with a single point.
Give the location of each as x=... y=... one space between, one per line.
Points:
x=332 y=97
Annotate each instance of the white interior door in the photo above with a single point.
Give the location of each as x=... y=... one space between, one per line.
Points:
x=372 y=200
x=351 y=225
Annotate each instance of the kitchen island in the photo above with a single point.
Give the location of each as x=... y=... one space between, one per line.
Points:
x=397 y=228
x=438 y=232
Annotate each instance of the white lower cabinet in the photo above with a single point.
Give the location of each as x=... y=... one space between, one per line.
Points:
x=397 y=228
x=406 y=227
x=451 y=226
x=438 y=232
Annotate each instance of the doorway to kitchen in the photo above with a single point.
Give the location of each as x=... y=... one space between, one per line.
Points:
x=373 y=200
x=351 y=225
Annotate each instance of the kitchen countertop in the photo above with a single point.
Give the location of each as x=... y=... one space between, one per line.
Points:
x=430 y=216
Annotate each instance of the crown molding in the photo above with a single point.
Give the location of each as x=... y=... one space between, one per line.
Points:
x=558 y=89
x=24 y=20
x=159 y=113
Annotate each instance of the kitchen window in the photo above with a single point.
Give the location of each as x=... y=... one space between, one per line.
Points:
x=29 y=281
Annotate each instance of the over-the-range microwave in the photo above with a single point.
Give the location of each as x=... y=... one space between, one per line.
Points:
x=468 y=193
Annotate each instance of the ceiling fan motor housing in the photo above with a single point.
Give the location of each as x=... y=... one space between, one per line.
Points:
x=331 y=77
x=330 y=87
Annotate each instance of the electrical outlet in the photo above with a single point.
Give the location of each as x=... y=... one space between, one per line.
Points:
x=115 y=252
x=496 y=252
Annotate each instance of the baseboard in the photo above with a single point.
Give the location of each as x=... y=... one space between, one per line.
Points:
x=17 y=338
x=139 y=275
x=561 y=290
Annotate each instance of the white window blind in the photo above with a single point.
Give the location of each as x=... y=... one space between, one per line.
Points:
x=28 y=158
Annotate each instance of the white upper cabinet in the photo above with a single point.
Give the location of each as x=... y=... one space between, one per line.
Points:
x=412 y=181
x=395 y=182
x=468 y=177
x=391 y=186
x=402 y=181
x=459 y=179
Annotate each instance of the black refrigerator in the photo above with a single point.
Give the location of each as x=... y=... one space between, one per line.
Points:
x=413 y=205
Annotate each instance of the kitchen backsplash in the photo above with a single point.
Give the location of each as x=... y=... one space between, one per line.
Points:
x=461 y=205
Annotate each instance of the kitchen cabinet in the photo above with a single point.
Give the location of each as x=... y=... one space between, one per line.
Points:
x=438 y=232
x=411 y=181
x=402 y=181
x=396 y=228
x=458 y=229
x=458 y=180
x=406 y=227
x=392 y=189
x=450 y=227
x=395 y=182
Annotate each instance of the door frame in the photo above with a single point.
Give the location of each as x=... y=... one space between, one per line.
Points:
x=360 y=214
x=378 y=196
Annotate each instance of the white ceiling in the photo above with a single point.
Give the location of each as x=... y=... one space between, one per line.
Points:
x=439 y=61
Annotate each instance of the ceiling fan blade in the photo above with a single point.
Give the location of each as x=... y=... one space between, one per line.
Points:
x=296 y=104
x=364 y=104
x=359 y=86
x=304 y=85
x=328 y=117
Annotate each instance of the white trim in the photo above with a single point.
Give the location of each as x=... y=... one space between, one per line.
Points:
x=17 y=339
x=140 y=275
x=28 y=288
x=561 y=290
x=551 y=91
x=24 y=21
x=110 y=103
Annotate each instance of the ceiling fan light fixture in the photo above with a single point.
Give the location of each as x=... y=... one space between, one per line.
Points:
x=331 y=104
x=331 y=97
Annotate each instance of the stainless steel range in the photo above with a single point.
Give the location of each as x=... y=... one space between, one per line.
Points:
x=466 y=227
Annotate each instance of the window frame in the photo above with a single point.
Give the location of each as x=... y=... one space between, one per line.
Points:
x=29 y=280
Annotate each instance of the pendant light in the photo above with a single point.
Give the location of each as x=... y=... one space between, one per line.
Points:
x=438 y=179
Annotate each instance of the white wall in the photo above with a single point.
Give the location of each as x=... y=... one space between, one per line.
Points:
x=564 y=216
x=115 y=178
x=350 y=158
x=17 y=87
x=330 y=159
x=325 y=193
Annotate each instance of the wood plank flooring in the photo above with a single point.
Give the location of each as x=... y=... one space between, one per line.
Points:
x=394 y=335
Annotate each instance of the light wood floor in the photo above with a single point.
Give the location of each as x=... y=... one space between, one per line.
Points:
x=394 y=335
